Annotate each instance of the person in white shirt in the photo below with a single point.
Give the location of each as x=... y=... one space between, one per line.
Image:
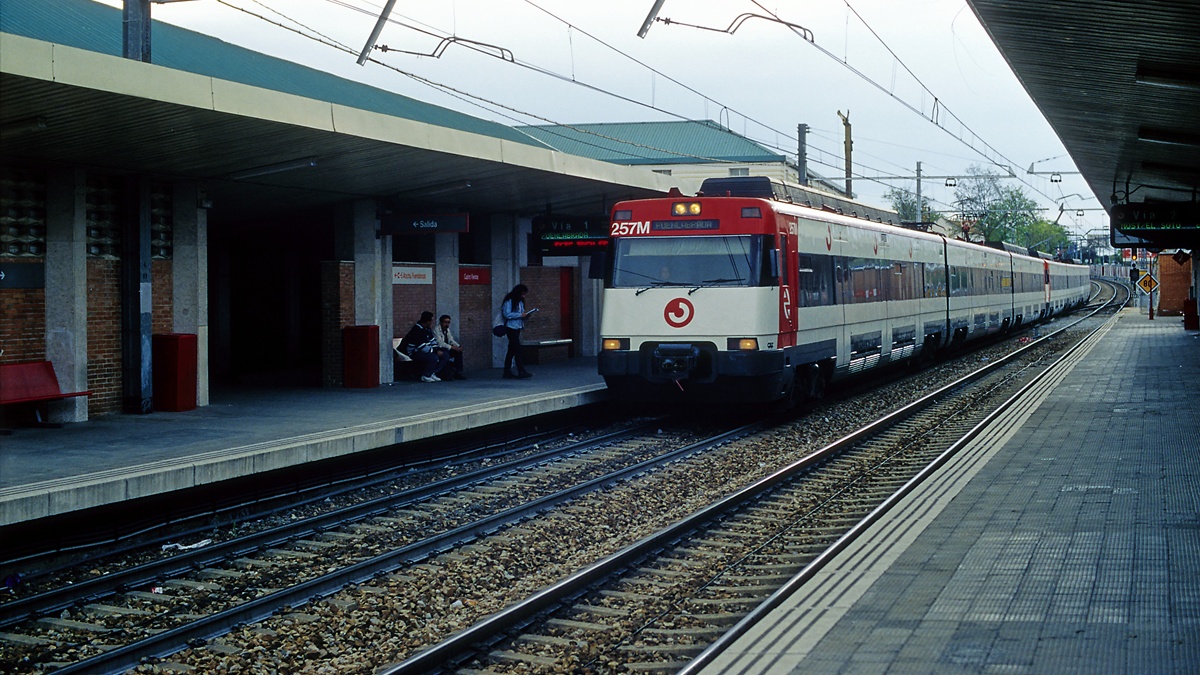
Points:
x=445 y=340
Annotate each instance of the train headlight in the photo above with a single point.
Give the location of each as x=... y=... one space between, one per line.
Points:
x=614 y=344
x=686 y=208
x=743 y=344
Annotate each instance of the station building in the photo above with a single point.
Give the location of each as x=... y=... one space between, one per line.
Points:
x=222 y=207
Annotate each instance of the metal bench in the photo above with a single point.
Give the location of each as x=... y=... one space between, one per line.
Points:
x=32 y=382
x=544 y=351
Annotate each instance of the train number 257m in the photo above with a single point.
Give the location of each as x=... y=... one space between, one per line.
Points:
x=636 y=227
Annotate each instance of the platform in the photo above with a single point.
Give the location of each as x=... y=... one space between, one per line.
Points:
x=1066 y=541
x=45 y=472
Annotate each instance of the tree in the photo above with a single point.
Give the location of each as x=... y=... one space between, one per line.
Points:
x=994 y=212
x=1044 y=235
x=905 y=204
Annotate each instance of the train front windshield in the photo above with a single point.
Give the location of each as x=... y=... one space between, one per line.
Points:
x=646 y=262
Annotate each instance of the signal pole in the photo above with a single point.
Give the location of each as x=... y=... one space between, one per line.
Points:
x=849 y=147
x=802 y=153
x=920 y=217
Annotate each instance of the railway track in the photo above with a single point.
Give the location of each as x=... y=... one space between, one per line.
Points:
x=659 y=605
x=358 y=565
x=117 y=618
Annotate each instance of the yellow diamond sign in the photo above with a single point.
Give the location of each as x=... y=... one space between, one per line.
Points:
x=1148 y=283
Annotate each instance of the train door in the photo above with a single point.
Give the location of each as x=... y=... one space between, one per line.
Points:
x=1046 y=310
x=788 y=289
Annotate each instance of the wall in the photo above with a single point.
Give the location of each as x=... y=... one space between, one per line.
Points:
x=23 y=327
x=337 y=312
x=1175 y=282
x=104 y=335
x=544 y=293
x=409 y=300
x=473 y=326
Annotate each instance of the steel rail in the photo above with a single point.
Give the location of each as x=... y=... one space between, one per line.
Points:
x=203 y=629
x=512 y=617
x=805 y=575
x=92 y=589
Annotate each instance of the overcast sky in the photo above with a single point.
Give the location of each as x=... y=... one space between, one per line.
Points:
x=579 y=62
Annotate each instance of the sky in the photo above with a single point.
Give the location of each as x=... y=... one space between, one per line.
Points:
x=895 y=67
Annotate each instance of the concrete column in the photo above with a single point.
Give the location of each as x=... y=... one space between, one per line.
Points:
x=386 y=363
x=136 y=296
x=589 y=310
x=506 y=267
x=357 y=238
x=189 y=281
x=445 y=255
x=66 y=289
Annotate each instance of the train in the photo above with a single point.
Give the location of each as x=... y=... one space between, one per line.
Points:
x=755 y=291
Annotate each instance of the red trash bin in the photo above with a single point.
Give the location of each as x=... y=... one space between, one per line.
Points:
x=360 y=357
x=173 y=362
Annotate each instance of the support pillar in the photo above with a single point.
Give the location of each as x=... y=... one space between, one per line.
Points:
x=590 y=296
x=66 y=289
x=357 y=238
x=445 y=256
x=136 y=300
x=189 y=282
x=506 y=268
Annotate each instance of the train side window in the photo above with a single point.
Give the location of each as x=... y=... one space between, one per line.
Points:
x=781 y=262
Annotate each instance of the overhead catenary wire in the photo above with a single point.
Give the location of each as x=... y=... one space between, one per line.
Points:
x=495 y=107
x=478 y=100
x=938 y=106
x=499 y=109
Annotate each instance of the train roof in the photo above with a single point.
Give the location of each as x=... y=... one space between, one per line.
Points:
x=764 y=188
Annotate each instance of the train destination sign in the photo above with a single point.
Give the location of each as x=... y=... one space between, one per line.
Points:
x=423 y=223
x=1164 y=223
x=570 y=235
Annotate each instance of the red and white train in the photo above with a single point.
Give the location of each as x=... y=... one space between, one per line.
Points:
x=750 y=297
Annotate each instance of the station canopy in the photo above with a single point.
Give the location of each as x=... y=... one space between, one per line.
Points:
x=1120 y=84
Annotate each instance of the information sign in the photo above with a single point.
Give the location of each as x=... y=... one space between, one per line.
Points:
x=423 y=223
x=570 y=235
x=1147 y=283
x=1165 y=224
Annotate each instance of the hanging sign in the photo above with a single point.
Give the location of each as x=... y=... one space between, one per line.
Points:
x=423 y=223
x=22 y=275
x=570 y=235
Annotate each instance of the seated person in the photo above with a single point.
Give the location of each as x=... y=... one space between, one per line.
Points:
x=421 y=346
x=446 y=341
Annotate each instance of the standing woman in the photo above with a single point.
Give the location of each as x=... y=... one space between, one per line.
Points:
x=513 y=309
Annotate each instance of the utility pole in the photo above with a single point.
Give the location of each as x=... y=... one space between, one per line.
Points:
x=920 y=218
x=136 y=25
x=849 y=147
x=802 y=154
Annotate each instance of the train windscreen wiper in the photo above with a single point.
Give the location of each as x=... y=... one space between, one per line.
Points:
x=659 y=284
x=711 y=282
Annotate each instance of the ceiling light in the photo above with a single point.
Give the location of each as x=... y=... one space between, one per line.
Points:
x=1167 y=137
x=273 y=168
x=1170 y=79
x=22 y=126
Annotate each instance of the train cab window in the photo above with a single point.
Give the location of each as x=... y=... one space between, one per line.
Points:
x=644 y=262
